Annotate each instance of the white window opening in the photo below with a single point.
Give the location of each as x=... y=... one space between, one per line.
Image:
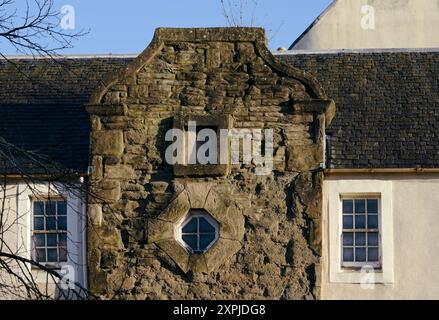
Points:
x=361 y=232
x=198 y=231
x=49 y=236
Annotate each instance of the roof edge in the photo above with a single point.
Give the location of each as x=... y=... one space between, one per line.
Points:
x=361 y=50
x=68 y=56
x=365 y=170
x=316 y=20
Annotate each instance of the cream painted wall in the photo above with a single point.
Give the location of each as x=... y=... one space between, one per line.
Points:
x=17 y=226
x=415 y=206
x=398 y=24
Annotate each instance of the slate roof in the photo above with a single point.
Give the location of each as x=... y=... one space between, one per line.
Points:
x=41 y=109
x=387 y=105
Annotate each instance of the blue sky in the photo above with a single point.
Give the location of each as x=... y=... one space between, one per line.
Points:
x=127 y=26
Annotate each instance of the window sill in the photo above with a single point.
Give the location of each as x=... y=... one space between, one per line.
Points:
x=359 y=268
x=359 y=276
x=201 y=170
x=50 y=266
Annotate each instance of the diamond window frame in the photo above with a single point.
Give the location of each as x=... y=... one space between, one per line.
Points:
x=197 y=214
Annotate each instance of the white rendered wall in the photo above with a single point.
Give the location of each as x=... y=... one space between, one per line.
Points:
x=397 y=24
x=415 y=213
x=17 y=226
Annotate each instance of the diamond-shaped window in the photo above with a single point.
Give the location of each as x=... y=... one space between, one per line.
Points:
x=198 y=231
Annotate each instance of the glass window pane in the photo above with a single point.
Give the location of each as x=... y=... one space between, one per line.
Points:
x=372 y=221
x=205 y=240
x=205 y=226
x=62 y=208
x=191 y=226
x=62 y=254
x=191 y=241
x=62 y=240
x=360 y=222
x=40 y=255
x=39 y=240
x=360 y=254
x=348 y=222
x=348 y=239
x=360 y=239
x=52 y=240
x=348 y=254
x=348 y=206
x=38 y=208
x=50 y=223
x=372 y=255
x=62 y=223
x=360 y=206
x=372 y=239
x=51 y=208
x=52 y=255
x=372 y=206
x=38 y=223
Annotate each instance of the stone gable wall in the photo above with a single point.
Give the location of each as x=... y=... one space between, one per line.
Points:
x=270 y=241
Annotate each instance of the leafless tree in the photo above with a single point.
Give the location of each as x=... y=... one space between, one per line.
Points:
x=18 y=263
x=33 y=29
x=242 y=13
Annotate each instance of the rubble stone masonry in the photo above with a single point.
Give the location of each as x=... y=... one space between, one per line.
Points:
x=269 y=243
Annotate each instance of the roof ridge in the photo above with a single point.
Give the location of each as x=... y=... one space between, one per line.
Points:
x=70 y=56
x=361 y=50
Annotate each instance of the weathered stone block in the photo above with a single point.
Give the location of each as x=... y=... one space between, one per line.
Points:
x=107 y=142
x=159 y=230
x=107 y=191
x=96 y=164
x=176 y=252
x=121 y=172
x=303 y=158
x=136 y=136
x=177 y=208
x=106 y=237
x=220 y=252
x=213 y=57
x=95 y=214
x=159 y=186
x=197 y=193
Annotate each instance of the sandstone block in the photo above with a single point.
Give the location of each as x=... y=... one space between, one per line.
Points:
x=107 y=142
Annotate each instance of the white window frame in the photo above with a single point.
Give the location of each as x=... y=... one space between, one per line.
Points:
x=195 y=213
x=76 y=229
x=353 y=264
x=53 y=197
x=361 y=188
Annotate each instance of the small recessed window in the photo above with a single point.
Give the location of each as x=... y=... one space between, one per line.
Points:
x=361 y=232
x=202 y=137
x=198 y=231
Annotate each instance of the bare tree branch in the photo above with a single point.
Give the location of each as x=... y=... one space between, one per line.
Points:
x=242 y=13
x=38 y=32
